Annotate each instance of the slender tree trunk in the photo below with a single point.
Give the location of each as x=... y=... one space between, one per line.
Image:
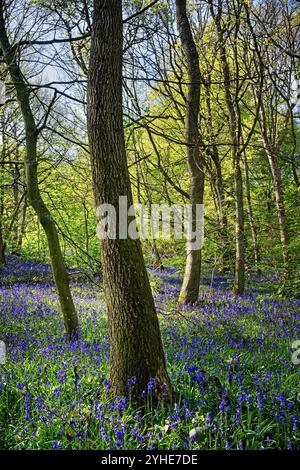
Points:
x=2 y=250
x=2 y=243
x=225 y=255
x=3 y=155
x=252 y=223
x=33 y=192
x=294 y=170
x=86 y=228
x=239 y=272
x=16 y=175
x=281 y=213
x=277 y=185
x=23 y=224
x=135 y=342
x=231 y=103
x=190 y=288
x=226 y=252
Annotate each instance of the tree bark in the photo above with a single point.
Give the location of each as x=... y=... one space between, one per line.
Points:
x=190 y=288
x=33 y=192
x=135 y=342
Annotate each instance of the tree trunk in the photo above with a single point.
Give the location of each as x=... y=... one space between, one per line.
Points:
x=232 y=104
x=16 y=175
x=33 y=192
x=190 y=288
x=135 y=342
x=2 y=244
x=23 y=225
x=226 y=253
x=277 y=185
x=239 y=272
x=281 y=214
x=252 y=224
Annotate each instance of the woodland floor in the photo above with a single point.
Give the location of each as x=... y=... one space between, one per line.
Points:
x=229 y=359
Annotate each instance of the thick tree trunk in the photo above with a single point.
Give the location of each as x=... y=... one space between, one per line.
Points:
x=190 y=288
x=135 y=342
x=33 y=192
x=252 y=223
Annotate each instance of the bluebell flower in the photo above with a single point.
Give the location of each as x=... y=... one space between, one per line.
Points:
x=56 y=445
x=227 y=446
x=151 y=385
x=27 y=407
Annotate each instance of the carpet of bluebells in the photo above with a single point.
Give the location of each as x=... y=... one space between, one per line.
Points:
x=229 y=359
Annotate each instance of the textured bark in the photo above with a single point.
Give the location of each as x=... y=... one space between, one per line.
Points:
x=190 y=288
x=33 y=192
x=135 y=342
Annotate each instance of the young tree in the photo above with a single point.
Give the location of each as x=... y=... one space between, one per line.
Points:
x=2 y=242
x=34 y=196
x=135 y=343
x=191 y=281
x=275 y=123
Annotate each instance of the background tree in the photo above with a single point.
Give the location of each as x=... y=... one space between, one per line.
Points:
x=34 y=196
x=191 y=281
